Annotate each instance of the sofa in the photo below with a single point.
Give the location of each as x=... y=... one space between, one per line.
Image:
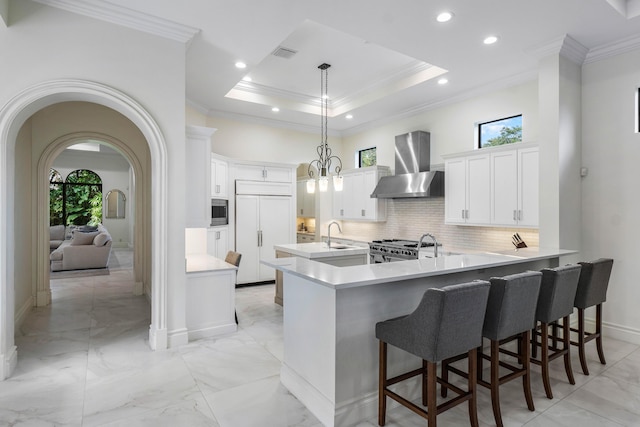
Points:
x=56 y=236
x=85 y=249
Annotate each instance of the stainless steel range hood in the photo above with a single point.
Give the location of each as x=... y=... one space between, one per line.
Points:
x=413 y=176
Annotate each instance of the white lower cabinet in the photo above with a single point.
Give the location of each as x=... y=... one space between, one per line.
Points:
x=261 y=223
x=497 y=187
x=218 y=241
x=354 y=201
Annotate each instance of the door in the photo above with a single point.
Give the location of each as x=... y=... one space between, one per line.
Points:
x=455 y=191
x=247 y=227
x=276 y=227
x=504 y=188
x=479 y=189
x=528 y=203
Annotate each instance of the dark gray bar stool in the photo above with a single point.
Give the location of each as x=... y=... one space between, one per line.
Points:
x=592 y=290
x=511 y=311
x=448 y=321
x=555 y=302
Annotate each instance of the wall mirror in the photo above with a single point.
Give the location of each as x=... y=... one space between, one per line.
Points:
x=115 y=204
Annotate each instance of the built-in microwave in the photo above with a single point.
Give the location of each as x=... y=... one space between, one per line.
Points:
x=219 y=212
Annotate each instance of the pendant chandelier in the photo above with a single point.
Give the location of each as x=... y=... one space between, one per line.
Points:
x=323 y=163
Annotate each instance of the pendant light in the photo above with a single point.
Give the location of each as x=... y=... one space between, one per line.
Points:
x=325 y=158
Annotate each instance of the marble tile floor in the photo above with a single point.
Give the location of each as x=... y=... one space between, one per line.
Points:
x=85 y=361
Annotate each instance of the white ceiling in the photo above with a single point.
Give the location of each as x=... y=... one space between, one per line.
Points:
x=384 y=55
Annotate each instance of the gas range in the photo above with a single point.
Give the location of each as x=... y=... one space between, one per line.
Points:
x=387 y=250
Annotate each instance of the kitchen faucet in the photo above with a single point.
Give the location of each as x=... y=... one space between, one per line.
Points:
x=435 y=243
x=329 y=232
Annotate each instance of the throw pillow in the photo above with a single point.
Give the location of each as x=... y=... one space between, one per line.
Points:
x=101 y=239
x=88 y=228
x=80 y=238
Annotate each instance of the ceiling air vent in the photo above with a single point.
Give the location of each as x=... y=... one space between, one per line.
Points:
x=284 y=52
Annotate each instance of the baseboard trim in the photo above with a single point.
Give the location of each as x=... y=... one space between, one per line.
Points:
x=346 y=413
x=611 y=330
x=23 y=312
x=316 y=402
x=8 y=363
x=157 y=338
x=212 y=331
x=177 y=337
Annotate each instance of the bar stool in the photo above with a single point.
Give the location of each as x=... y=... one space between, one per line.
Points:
x=592 y=290
x=448 y=321
x=234 y=258
x=555 y=302
x=511 y=311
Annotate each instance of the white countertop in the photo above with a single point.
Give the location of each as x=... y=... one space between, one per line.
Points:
x=371 y=274
x=316 y=250
x=198 y=263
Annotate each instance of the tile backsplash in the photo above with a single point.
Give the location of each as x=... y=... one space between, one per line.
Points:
x=410 y=218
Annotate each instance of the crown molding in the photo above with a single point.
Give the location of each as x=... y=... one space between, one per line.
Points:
x=245 y=118
x=608 y=50
x=104 y=11
x=565 y=46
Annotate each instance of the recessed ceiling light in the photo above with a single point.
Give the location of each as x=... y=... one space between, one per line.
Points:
x=247 y=79
x=349 y=116
x=444 y=17
x=490 y=40
x=443 y=81
x=275 y=109
x=241 y=65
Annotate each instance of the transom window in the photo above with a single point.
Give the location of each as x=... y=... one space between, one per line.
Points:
x=367 y=157
x=499 y=132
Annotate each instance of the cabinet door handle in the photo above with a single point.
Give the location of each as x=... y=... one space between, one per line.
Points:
x=363 y=214
x=217 y=188
x=515 y=215
x=341 y=212
x=462 y=213
x=264 y=173
x=301 y=211
x=259 y=238
x=217 y=235
x=519 y=215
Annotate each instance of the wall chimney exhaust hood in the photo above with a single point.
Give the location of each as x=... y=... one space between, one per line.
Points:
x=413 y=177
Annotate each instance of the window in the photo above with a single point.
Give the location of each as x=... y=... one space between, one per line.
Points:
x=499 y=132
x=78 y=200
x=367 y=157
x=638 y=110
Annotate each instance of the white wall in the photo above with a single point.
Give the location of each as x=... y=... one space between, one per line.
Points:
x=610 y=201
x=452 y=126
x=45 y=44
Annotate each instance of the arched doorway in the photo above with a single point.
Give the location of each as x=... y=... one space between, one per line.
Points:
x=12 y=117
x=141 y=252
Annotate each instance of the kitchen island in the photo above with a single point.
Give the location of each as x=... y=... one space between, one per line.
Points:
x=330 y=350
x=339 y=255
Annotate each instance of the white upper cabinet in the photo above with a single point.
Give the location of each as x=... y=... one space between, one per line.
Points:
x=354 y=201
x=219 y=178
x=497 y=186
x=257 y=172
x=197 y=155
x=467 y=189
x=514 y=187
